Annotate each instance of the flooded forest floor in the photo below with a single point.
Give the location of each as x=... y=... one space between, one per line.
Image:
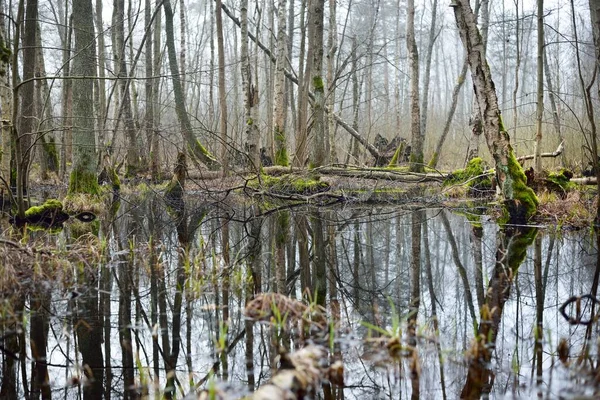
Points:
x=346 y=286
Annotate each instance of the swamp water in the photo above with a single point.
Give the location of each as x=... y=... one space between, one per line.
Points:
x=139 y=309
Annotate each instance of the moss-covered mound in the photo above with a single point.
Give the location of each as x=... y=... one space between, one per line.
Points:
x=560 y=181
x=51 y=213
x=474 y=177
x=290 y=184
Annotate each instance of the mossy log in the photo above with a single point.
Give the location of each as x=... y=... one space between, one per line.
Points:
x=49 y=215
x=392 y=174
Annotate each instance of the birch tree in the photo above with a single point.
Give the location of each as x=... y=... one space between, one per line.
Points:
x=519 y=200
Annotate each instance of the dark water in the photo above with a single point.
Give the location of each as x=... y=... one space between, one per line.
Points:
x=155 y=302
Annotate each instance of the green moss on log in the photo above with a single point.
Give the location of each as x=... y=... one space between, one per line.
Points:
x=473 y=175
x=51 y=206
x=290 y=184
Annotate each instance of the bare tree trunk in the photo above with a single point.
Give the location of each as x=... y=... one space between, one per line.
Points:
x=133 y=162
x=432 y=37
x=475 y=122
x=222 y=93
x=5 y=100
x=183 y=49
x=101 y=77
x=435 y=158
x=355 y=100
x=27 y=117
x=551 y=96
x=250 y=93
x=196 y=149
x=315 y=19
x=540 y=86
x=84 y=174
x=595 y=17
x=416 y=156
x=280 y=103
x=519 y=200
x=156 y=71
x=518 y=40
x=66 y=98
x=303 y=86
x=149 y=95
x=331 y=81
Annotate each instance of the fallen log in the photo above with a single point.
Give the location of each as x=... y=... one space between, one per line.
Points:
x=590 y=180
x=376 y=173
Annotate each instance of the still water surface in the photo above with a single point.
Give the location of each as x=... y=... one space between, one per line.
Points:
x=156 y=302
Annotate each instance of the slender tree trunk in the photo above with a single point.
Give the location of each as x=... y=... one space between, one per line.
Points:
x=196 y=149
x=101 y=75
x=432 y=37
x=156 y=71
x=250 y=93
x=303 y=86
x=27 y=116
x=183 y=48
x=475 y=122
x=595 y=17
x=5 y=99
x=280 y=103
x=149 y=95
x=133 y=162
x=331 y=81
x=551 y=97
x=416 y=156
x=67 y=96
x=520 y=201
x=222 y=90
x=540 y=86
x=518 y=40
x=318 y=154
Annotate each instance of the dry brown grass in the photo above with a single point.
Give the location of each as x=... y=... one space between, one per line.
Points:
x=577 y=209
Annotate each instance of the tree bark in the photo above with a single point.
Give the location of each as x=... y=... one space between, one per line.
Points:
x=280 y=103
x=540 y=86
x=519 y=200
x=85 y=163
x=222 y=93
x=315 y=17
x=27 y=115
x=416 y=156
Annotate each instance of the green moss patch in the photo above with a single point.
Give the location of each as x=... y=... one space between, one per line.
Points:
x=560 y=181
x=290 y=184
x=478 y=182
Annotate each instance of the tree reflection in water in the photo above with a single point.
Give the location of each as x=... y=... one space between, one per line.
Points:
x=158 y=304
